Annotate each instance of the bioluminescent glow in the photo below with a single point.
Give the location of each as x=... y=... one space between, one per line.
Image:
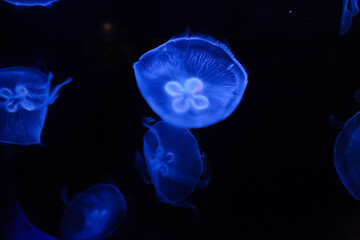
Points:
x=24 y=98
x=191 y=81
x=20 y=228
x=347 y=155
x=173 y=162
x=350 y=10
x=31 y=3
x=94 y=214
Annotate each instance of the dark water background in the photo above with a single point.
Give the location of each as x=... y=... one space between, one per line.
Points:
x=271 y=160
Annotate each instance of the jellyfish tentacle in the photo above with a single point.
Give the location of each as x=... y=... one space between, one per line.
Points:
x=54 y=92
x=63 y=194
x=205 y=174
x=354 y=8
x=347 y=15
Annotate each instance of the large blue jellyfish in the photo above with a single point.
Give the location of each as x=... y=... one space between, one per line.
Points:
x=94 y=214
x=31 y=3
x=350 y=10
x=24 y=98
x=173 y=163
x=347 y=155
x=191 y=81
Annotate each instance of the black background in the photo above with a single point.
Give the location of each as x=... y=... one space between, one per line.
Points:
x=273 y=175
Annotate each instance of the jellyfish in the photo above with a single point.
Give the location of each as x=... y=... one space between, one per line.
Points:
x=93 y=214
x=173 y=163
x=357 y=96
x=20 y=228
x=24 y=98
x=191 y=81
x=350 y=10
x=347 y=155
x=31 y=3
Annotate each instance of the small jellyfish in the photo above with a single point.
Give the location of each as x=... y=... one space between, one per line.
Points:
x=191 y=81
x=347 y=155
x=350 y=10
x=31 y=3
x=173 y=163
x=93 y=214
x=24 y=98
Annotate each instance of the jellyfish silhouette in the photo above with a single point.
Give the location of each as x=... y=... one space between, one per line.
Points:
x=350 y=10
x=19 y=227
x=191 y=81
x=24 y=98
x=31 y=3
x=93 y=214
x=347 y=155
x=173 y=163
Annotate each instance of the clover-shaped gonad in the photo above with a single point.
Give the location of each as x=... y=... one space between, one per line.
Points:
x=187 y=96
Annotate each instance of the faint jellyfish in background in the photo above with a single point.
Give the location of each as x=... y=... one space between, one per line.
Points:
x=347 y=155
x=350 y=10
x=19 y=227
x=173 y=163
x=93 y=214
x=31 y=3
x=191 y=81
x=24 y=98
x=357 y=96
x=335 y=122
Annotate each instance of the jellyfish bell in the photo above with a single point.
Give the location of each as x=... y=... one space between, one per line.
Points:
x=173 y=162
x=93 y=214
x=19 y=227
x=31 y=3
x=191 y=81
x=347 y=155
x=24 y=97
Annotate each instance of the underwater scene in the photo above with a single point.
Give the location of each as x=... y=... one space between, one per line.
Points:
x=203 y=119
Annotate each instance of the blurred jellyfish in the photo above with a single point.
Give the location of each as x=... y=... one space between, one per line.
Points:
x=357 y=96
x=19 y=227
x=335 y=122
x=31 y=3
x=24 y=98
x=173 y=163
x=350 y=10
x=191 y=81
x=347 y=155
x=94 y=214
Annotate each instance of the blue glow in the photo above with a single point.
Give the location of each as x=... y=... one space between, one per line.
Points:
x=357 y=96
x=350 y=10
x=94 y=214
x=24 y=98
x=191 y=81
x=347 y=155
x=31 y=3
x=174 y=163
x=20 y=228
